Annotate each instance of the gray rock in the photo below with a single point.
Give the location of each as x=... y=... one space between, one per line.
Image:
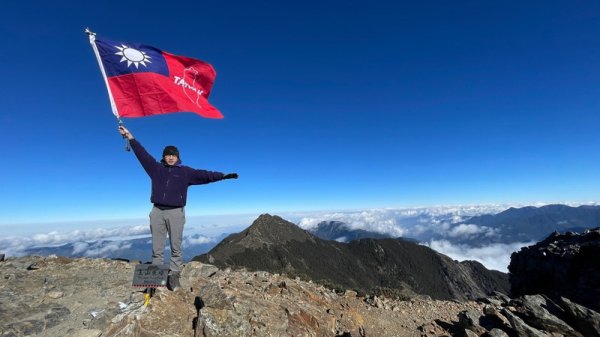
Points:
x=55 y=315
x=101 y=319
x=503 y=298
x=55 y=294
x=520 y=327
x=211 y=326
x=86 y=333
x=489 y=309
x=494 y=319
x=469 y=319
x=214 y=297
x=535 y=311
x=469 y=333
x=196 y=269
x=35 y=266
x=585 y=320
x=496 y=333
x=23 y=328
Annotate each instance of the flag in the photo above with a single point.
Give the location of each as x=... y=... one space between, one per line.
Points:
x=143 y=80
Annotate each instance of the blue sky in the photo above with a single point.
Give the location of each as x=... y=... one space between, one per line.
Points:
x=327 y=104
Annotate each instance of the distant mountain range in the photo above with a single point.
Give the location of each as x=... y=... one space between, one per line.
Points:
x=341 y=232
x=368 y=265
x=526 y=224
x=536 y=223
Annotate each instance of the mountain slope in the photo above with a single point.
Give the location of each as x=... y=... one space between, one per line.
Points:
x=275 y=245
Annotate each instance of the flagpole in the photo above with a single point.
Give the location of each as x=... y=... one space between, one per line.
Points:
x=113 y=106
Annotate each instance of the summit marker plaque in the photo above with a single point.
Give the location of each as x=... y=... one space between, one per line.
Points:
x=150 y=275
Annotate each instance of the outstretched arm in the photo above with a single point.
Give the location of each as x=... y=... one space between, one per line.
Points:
x=205 y=177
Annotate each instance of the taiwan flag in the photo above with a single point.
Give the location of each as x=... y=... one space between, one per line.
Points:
x=143 y=80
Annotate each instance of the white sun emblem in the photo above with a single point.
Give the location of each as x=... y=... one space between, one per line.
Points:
x=133 y=56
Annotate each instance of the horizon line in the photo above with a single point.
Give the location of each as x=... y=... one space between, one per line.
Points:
x=116 y=221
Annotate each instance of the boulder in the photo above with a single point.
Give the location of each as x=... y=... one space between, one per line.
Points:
x=564 y=265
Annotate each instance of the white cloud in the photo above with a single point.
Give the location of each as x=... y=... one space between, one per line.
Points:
x=84 y=240
x=80 y=247
x=104 y=248
x=376 y=220
x=196 y=240
x=16 y=245
x=470 y=230
x=494 y=256
x=410 y=222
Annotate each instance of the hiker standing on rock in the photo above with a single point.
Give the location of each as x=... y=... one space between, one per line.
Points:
x=170 y=181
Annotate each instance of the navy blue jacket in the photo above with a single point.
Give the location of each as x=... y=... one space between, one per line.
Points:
x=170 y=183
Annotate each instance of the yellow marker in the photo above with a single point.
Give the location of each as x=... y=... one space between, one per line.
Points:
x=147 y=299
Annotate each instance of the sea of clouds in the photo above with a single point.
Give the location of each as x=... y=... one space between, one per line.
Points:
x=442 y=228
x=101 y=242
x=439 y=228
x=100 y=238
x=18 y=245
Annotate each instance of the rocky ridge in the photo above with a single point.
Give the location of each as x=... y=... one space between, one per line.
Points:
x=367 y=265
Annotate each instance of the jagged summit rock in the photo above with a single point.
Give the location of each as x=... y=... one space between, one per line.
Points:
x=561 y=265
x=366 y=265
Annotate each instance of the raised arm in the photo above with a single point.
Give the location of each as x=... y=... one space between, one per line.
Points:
x=148 y=162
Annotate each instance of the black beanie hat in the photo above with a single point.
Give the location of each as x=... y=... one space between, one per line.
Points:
x=171 y=150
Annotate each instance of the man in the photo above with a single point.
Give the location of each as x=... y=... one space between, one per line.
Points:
x=170 y=181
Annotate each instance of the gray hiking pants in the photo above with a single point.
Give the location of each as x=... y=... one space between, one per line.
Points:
x=169 y=221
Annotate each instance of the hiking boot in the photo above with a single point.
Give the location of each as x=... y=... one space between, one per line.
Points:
x=173 y=281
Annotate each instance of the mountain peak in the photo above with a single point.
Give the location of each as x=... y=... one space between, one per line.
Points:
x=272 y=229
x=266 y=231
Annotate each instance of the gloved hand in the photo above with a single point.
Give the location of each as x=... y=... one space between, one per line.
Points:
x=230 y=176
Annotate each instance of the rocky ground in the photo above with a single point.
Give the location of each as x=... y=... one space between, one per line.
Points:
x=57 y=296
x=54 y=296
